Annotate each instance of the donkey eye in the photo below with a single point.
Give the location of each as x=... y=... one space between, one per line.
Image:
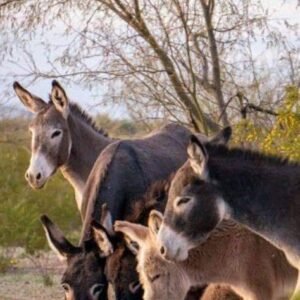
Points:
x=183 y=200
x=155 y=277
x=96 y=290
x=65 y=286
x=56 y=133
x=134 y=286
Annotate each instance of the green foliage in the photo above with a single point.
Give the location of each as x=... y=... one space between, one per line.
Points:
x=124 y=128
x=283 y=136
x=21 y=207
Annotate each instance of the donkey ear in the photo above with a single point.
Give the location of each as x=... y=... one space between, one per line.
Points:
x=60 y=99
x=102 y=239
x=56 y=240
x=135 y=234
x=106 y=219
x=198 y=157
x=33 y=103
x=223 y=137
x=154 y=221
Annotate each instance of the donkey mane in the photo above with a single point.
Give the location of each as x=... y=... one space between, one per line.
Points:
x=89 y=206
x=249 y=155
x=84 y=116
x=79 y=112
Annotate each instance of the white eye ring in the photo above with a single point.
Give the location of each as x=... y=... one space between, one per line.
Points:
x=134 y=286
x=56 y=133
x=155 y=277
x=66 y=287
x=96 y=290
x=182 y=200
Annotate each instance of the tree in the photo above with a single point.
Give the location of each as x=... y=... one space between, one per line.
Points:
x=185 y=60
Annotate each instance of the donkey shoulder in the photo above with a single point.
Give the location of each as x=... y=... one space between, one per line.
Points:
x=126 y=168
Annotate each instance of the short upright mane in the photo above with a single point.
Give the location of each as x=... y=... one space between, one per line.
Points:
x=80 y=113
x=248 y=155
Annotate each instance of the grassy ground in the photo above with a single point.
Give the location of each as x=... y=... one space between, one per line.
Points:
x=32 y=278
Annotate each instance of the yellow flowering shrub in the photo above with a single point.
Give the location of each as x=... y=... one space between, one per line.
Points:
x=282 y=137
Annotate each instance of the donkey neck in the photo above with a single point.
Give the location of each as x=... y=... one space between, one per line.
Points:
x=222 y=248
x=261 y=192
x=86 y=145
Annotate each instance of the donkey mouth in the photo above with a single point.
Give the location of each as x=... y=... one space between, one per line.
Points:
x=37 y=186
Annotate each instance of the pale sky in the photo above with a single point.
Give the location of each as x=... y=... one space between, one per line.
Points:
x=279 y=9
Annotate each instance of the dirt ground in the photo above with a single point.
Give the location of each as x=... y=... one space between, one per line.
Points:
x=25 y=280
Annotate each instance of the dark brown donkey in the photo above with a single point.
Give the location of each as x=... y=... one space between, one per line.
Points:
x=122 y=173
x=257 y=190
x=63 y=137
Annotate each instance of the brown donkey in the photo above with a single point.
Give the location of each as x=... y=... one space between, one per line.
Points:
x=63 y=137
x=231 y=255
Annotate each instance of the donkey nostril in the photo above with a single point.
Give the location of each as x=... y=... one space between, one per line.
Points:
x=162 y=250
x=26 y=176
x=38 y=176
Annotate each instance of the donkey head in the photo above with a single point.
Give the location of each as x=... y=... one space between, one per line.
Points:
x=160 y=278
x=195 y=205
x=51 y=141
x=120 y=263
x=83 y=278
x=102 y=268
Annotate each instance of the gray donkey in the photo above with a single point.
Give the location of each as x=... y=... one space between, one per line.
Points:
x=254 y=189
x=63 y=137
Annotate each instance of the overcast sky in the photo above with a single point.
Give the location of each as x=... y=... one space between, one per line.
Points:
x=279 y=10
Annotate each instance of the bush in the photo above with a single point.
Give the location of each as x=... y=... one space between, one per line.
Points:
x=282 y=137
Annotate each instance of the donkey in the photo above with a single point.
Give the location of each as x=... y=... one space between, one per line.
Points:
x=254 y=189
x=122 y=173
x=231 y=255
x=155 y=198
x=63 y=137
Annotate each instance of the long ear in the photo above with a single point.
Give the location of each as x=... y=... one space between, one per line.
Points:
x=135 y=234
x=154 y=221
x=56 y=240
x=102 y=239
x=223 y=137
x=60 y=99
x=33 y=103
x=198 y=157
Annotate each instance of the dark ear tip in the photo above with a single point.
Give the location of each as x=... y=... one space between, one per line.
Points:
x=96 y=224
x=194 y=139
x=55 y=83
x=16 y=85
x=44 y=219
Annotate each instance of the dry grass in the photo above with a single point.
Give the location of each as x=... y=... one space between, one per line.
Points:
x=32 y=278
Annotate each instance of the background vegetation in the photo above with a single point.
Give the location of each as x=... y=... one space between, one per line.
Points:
x=203 y=63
